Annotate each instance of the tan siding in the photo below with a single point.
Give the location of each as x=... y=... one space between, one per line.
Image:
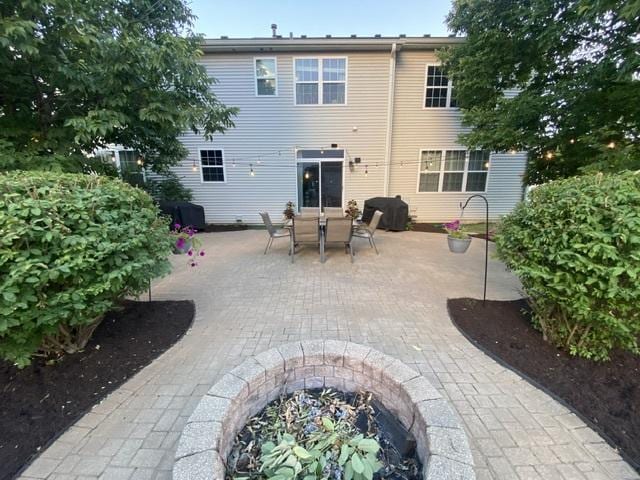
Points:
x=416 y=128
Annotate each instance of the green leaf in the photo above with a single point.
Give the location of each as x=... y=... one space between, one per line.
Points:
x=348 y=471
x=344 y=454
x=328 y=424
x=369 y=445
x=356 y=463
x=301 y=453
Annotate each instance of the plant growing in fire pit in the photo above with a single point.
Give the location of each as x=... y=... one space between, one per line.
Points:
x=186 y=242
x=458 y=239
x=310 y=435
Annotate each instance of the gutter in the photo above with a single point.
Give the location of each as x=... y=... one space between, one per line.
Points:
x=390 y=107
x=266 y=45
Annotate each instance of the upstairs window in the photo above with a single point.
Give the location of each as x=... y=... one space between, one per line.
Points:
x=320 y=81
x=438 y=89
x=453 y=171
x=212 y=165
x=266 y=77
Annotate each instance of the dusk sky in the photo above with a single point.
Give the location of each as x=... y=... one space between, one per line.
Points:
x=253 y=18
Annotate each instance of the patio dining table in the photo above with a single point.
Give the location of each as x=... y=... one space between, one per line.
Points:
x=322 y=221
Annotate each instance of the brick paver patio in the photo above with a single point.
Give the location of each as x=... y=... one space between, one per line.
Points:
x=395 y=302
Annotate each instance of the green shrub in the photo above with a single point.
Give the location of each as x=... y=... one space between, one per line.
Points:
x=576 y=247
x=168 y=188
x=71 y=245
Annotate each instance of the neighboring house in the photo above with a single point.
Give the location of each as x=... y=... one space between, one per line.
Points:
x=326 y=120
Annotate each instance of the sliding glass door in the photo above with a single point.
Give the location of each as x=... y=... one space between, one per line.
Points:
x=320 y=180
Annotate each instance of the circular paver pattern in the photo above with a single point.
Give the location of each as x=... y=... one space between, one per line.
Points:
x=209 y=433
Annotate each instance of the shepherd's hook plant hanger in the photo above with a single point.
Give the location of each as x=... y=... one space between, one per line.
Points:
x=486 y=239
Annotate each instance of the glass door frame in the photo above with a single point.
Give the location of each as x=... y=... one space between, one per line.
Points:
x=319 y=161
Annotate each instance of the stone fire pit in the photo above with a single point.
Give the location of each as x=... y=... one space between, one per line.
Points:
x=210 y=431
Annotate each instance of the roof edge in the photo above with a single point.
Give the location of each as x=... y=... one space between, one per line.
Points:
x=212 y=45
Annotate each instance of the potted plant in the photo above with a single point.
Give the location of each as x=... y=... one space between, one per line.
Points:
x=186 y=242
x=352 y=210
x=289 y=211
x=457 y=238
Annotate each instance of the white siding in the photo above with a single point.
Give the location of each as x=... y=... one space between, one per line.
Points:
x=416 y=128
x=269 y=124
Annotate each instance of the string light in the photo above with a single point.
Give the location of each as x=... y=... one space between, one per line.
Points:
x=306 y=175
x=611 y=145
x=251 y=172
x=512 y=151
x=549 y=155
x=259 y=162
x=572 y=141
x=139 y=162
x=486 y=165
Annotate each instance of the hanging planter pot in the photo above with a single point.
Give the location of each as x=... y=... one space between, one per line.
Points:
x=458 y=245
x=457 y=239
x=182 y=247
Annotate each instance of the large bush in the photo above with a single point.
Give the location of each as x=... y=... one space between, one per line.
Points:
x=70 y=247
x=576 y=247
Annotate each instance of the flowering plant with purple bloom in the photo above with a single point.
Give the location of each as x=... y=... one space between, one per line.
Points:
x=455 y=229
x=186 y=242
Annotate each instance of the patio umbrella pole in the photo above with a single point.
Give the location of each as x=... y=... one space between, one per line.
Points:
x=149 y=289
x=486 y=240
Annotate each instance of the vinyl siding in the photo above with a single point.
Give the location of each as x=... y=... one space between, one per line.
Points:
x=271 y=124
x=274 y=124
x=416 y=128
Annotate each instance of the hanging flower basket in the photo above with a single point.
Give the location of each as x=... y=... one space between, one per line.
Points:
x=457 y=239
x=186 y=243
x=458 y=245
x=182 y=246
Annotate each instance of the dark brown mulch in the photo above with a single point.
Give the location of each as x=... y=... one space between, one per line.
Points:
x=41 y=401
x=428 y=227
x=233 y=227
x=605 y=394
x=437 y=228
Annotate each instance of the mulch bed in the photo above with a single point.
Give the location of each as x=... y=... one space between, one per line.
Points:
x=41 y=401
x=428 y=228
x=437 y=228
x=233 y=227
x=604 y=394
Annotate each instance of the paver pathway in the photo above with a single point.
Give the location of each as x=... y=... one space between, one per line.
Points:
x=247 y=302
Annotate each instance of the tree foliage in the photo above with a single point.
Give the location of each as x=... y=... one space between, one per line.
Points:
x=71 y=246
x=81 y=74
x=577 y=66
x=575 y=245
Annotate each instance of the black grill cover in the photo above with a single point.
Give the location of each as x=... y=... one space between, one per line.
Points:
x=395 y=212
x=184 y=213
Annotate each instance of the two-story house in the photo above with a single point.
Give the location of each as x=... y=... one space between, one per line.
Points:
x=326 y=120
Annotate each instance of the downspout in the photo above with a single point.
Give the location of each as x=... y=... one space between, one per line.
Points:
x=390 y=103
